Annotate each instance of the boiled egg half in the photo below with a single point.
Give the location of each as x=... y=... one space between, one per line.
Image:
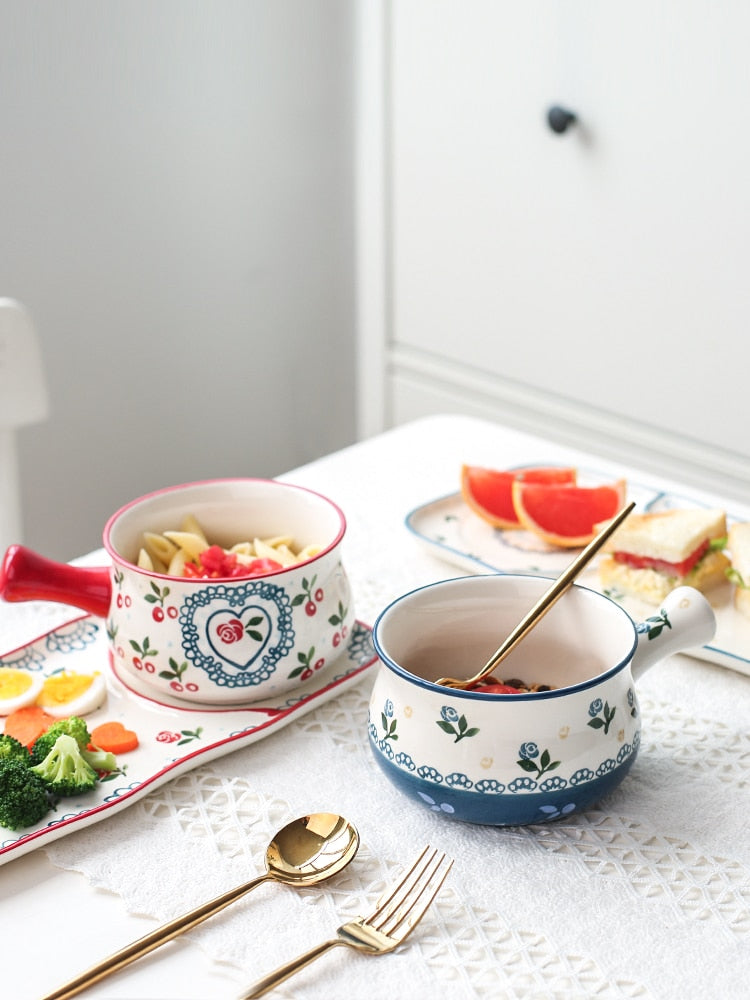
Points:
x=18 y=688
x=69 y=693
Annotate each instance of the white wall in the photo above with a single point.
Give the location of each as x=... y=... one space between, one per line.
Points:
x=176 y=202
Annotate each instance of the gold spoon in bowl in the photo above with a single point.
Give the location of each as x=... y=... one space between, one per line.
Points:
x=308 y=850
x=542 y=606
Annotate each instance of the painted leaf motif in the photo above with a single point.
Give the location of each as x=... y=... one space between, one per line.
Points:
x=338 y=619
x=527 y=765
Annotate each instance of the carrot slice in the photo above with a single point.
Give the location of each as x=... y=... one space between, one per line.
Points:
x=114 y=737
x=28 y=723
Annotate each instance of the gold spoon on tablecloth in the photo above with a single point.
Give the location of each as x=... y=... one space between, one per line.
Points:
x=308 y=850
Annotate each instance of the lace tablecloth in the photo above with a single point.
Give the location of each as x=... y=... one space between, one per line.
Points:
x=647 y=895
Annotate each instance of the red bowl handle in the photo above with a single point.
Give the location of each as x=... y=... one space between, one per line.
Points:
x=26 y=576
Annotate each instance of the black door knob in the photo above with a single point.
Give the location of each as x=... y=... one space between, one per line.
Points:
x=560 y=119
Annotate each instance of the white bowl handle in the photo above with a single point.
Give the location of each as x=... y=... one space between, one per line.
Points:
x=684 y=621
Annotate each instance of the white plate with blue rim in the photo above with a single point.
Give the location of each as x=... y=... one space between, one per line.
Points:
x=451 y=531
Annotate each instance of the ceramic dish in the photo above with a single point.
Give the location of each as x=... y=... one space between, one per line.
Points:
x=489 y=758
x=173 y=738
x=211 y=636
x=453 y=533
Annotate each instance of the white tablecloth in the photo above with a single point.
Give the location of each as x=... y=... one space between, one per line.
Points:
x=645 y=896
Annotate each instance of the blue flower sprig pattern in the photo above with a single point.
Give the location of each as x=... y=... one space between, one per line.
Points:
x=655 y=624
x=388 y=722
x=632 y=706
x=601 y=715
x=528 y=754
x=454 y=724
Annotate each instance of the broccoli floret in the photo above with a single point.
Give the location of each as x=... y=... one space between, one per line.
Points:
x=24 y=797
x=13 y=749
x=100 y=760
x=74 y=726
x=64 y=770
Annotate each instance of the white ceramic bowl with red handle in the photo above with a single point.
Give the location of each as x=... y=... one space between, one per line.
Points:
x=223 y=641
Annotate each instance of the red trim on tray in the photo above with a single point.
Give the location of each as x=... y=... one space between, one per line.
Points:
x=159 y=777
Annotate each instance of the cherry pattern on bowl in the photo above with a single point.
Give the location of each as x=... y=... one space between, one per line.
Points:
x=232 y=636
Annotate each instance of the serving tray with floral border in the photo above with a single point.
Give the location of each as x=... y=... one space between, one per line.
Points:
x=173 y=737
x=450 y=530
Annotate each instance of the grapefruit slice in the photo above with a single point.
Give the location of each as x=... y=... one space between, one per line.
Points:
x=566 y=515
x=488 y=492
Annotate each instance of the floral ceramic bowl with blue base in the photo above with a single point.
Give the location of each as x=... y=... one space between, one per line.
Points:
x=516 y=759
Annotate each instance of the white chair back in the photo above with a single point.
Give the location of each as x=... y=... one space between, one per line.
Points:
x=23 y=400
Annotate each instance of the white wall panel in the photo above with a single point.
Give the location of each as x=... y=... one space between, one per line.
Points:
x=176 y=195
x=605 y=267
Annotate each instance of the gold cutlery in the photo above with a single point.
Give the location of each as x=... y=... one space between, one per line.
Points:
x=308 y=850
x=396 y=915
x=542 y=606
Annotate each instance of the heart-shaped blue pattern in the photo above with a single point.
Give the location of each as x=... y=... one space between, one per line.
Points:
x=239 y=637
x=237 y=634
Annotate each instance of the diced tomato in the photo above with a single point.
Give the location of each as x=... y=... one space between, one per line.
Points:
x=661 y=565
x=215 y=560
x=260 y=566
x=214 y=564
x=497 y=689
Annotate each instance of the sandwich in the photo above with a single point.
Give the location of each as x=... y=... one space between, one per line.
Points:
x=738 y=544
x=653 y=553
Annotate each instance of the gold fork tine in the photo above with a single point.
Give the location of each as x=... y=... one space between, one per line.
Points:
x=394 y=894
x=395 y=916
x=401 y=903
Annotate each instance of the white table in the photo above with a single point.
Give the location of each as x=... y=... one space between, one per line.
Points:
x=647 y=895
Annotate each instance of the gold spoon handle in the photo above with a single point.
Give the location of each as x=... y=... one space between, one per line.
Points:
x=137 y=949
x=545 y=602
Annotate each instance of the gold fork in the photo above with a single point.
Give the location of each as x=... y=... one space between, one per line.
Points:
x=397 y=913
